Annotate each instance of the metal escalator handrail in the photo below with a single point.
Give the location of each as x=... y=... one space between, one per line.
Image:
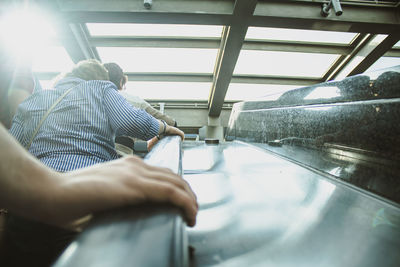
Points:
x=144 y=235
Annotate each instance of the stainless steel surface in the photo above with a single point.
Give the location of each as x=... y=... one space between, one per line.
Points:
x=143 y=235
x=257 y=209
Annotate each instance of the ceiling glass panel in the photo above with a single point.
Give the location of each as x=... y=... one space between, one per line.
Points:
x=244 y=91
x=299 y=35
x=125 y=29
x=384 y=62
x=283 y=63
x=397 y=45
x=51 y=59
x=133 y=59
x=169 y=90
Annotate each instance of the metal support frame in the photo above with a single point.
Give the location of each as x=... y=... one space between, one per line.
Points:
x=70 y=42
x=231 y=46
x=80 y=32
x=373 y=52
x=214 y=43
x=205 y=77
x=164 y=42
x=365 y=19
x=366 y=50
x=306 y=15
x=340 y=63
x=271 y=13
x=74 y=37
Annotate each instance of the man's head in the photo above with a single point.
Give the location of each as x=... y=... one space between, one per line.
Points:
x=116 y=75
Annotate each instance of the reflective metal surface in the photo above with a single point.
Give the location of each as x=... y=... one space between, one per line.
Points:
x=142 y=235
x=258 y=209
x=358 y=168
x=348 y=129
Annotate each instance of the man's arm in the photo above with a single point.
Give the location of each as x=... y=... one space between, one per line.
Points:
x=131 y=121
x=30 y=189
x=157 y=114
x=138 y=102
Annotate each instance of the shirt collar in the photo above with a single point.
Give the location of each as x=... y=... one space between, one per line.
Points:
x=68 y=82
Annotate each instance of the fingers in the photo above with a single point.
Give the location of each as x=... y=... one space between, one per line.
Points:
x=163 y=191
x=162 y=185
x=175 y=131
x=164 y=174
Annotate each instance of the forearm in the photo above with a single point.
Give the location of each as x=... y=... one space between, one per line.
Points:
x=157 y=114
x=25 y=183
x=30 y=189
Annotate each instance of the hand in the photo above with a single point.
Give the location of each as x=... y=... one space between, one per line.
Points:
x=174 y=131
x=125 y=181
x=151 y=143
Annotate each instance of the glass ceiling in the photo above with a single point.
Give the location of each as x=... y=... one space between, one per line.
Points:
x=166 y=60
x=283 y=63
x=247 y=92
x=184 y=60
x=169 y=90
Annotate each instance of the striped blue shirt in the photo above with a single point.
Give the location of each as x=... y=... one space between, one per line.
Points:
x=81 y=129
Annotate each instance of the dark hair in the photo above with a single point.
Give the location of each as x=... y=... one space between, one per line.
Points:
x=116 y=74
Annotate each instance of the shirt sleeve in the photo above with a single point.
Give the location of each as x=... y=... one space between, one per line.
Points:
x=157 y=114
x=17 y=130
x=128 y=120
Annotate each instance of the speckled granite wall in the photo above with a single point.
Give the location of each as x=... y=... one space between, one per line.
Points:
x=360 y=112
x=348 y=129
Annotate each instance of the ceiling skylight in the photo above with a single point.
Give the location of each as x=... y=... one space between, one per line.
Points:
x=283 y=63
x=186 y=60
x=385 y=62
x=169 y=90
x=245 y=91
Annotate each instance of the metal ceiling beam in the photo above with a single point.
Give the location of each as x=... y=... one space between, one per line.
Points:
x=81 y=37
x=214 y=43
x=147 y=18
x=207 y=12
x=295 y=46
x=72 y=37
x=306 y=15
x=169 y=77
x=231 y=45
x=283 y=80
x=87 y=37
x=204 y=77
x=70 y=42
x=163 y=6
x=165 y=42
x=342 y=63
x=373 y=52
x=394 y=52
x=271 y=13
x=366 y=53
